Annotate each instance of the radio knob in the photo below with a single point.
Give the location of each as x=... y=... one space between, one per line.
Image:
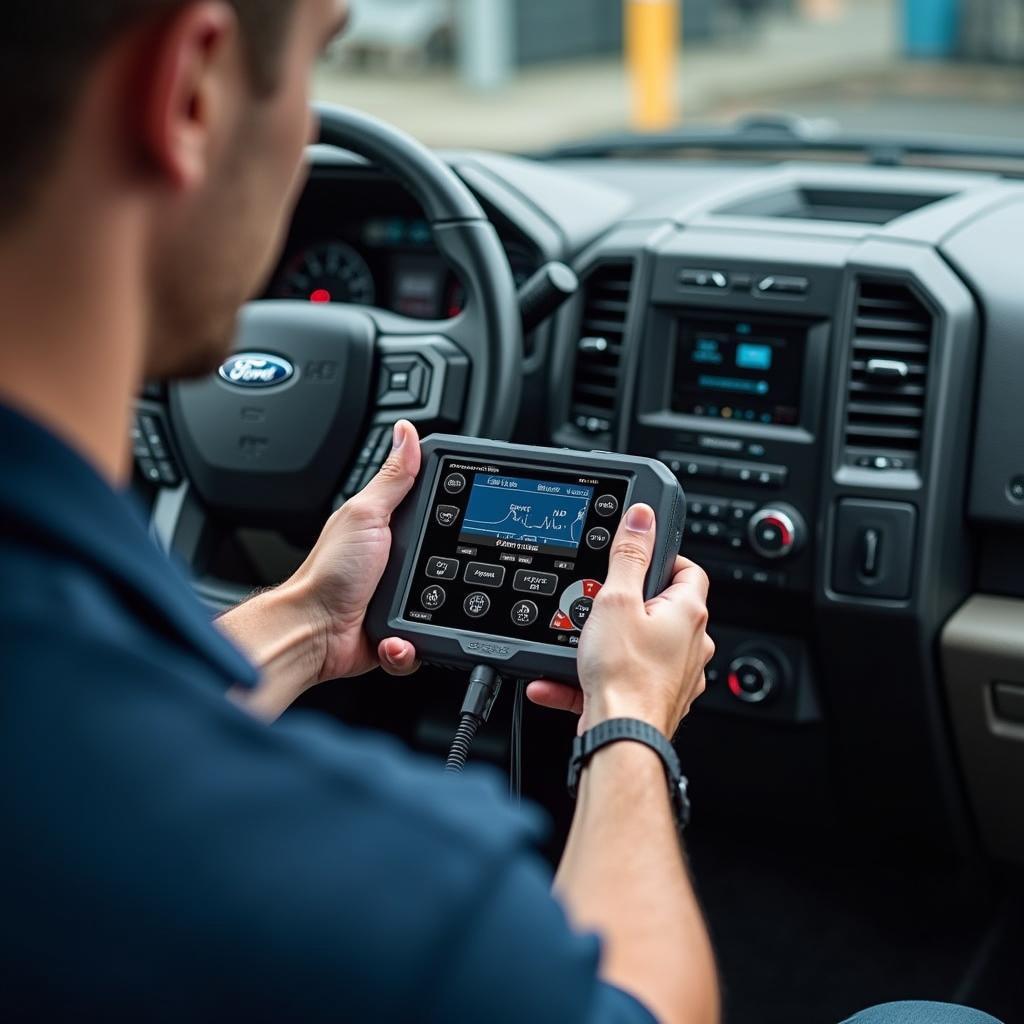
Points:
x=777 y=531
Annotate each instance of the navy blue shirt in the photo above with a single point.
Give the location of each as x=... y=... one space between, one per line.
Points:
x=166 y=857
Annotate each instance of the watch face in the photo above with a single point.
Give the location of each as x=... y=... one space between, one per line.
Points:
x=513 y=550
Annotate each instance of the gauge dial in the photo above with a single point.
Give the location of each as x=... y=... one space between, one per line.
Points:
x=522 y=262
x=329 y=272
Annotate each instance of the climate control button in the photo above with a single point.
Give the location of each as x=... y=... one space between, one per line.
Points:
x=753 y=678
x=776 y=531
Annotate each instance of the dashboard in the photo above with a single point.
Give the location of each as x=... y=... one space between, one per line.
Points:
x=369 y=244
x=830 y=358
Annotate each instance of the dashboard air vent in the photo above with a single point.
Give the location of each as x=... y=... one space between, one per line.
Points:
x=885 y=408
x=595 y=387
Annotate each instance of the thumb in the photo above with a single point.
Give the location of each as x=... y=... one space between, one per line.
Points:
x=631 y=551
x=384 y=493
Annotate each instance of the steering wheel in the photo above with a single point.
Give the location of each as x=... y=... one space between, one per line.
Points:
x=299 y=418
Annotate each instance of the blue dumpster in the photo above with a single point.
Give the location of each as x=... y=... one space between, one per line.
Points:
x=931 y=27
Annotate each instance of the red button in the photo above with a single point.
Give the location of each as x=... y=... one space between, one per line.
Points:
x=561 y=621
x=591 y=588
x=734 y=684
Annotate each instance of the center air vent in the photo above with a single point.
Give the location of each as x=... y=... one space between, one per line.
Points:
x=595 y=389
x=885 y=409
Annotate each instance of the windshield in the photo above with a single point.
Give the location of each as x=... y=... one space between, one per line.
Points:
x=529 y=75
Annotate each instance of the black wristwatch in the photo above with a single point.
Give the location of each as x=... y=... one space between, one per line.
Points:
x=616 y=730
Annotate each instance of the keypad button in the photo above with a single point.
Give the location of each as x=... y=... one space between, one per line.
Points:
x=454 y=483
x=561 y=621
x=579 y=611
x=606 y=505
x=476 y=605
x=442 y=568
x=482 y=574
x=433 y=598
x=598 y=538
x=446 y=514
x=524 y=613
x=528 y=582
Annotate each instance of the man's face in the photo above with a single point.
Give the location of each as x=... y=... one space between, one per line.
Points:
x=224 y=241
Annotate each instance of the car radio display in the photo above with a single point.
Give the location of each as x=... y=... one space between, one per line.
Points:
x=739 y=370
x=518 y=512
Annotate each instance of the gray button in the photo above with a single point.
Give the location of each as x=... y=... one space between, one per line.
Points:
x=524 y=613
x=442 y=568
x=598 y=538
x=446 y=514
x=454 y=483
x=482 y=574
x=606 y=505
x=476 y=605
x=433 y=598
x=528 y=582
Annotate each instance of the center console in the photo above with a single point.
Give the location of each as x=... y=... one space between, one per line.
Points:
x=729 y=394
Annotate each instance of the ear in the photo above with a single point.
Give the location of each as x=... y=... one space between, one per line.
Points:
x=193 y=71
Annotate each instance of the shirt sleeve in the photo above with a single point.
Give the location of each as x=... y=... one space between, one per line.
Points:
x=517 y=960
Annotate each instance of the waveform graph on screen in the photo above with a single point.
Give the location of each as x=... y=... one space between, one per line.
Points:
x=525 y=514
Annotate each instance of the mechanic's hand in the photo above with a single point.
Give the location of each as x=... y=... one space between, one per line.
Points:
x=345 y=567
x=636 y=659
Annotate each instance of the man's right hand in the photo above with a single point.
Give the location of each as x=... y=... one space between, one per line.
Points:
x=638 y=659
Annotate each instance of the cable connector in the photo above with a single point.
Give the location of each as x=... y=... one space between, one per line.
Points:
x=484 y=685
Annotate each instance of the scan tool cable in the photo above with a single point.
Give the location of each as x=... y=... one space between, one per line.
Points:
x=484 y=684
x=515 y=768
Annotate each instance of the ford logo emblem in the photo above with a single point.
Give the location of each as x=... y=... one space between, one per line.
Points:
x=256 y=370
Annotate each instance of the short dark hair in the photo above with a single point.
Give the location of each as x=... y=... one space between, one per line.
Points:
x=47 y=48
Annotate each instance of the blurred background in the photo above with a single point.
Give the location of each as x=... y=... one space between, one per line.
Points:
x=522 y=75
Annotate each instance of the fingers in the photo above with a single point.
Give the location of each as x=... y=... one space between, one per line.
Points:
x=397 y=657
x=385 y=492
x=557 y=696
x=631 y=551
x=689 y=581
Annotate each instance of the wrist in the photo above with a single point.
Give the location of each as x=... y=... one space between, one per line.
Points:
x=284 y=632
x=609 y=704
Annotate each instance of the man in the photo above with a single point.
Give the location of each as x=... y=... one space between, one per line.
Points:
x=166 y=853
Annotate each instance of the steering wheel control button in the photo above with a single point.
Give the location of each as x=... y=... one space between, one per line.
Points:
x=443 y=568
x=477 y=605
x=598 y=538
x=607 y=505
x=446 y=515
x=752 y=679
x=528 y=582
x=579 y=611
x=403 y=382
x=454 y=483
x=433 y=598
x=1015 y=489
x=482 y=574
x=524 y=613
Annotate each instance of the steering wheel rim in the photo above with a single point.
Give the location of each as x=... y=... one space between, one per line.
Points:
x=259 y=444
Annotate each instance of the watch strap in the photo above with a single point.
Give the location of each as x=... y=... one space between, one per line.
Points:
x=617 y=730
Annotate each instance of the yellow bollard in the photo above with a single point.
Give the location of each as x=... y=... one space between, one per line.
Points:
x=652 y=53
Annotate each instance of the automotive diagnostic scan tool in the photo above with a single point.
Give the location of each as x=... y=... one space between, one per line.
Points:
x=500 y=550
